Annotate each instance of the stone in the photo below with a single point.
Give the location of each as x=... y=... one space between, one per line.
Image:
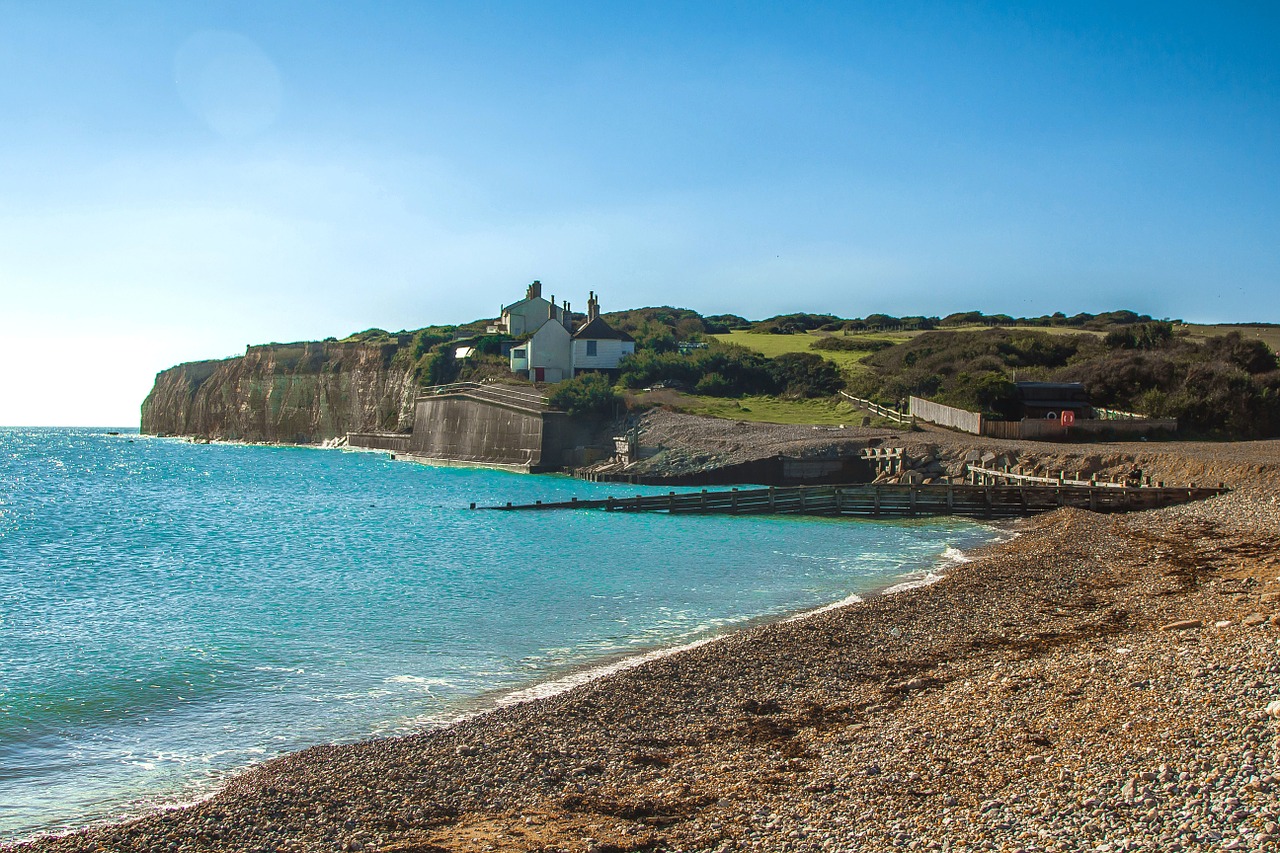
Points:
x=1182 y=625
x=1254 y=619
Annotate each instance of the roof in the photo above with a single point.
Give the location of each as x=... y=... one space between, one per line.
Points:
x=598 y=329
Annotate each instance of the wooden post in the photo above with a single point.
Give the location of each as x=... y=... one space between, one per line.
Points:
x=839 y=501
x=773 y=500
x=913 y=491
x=877 y=501
x=951 y=498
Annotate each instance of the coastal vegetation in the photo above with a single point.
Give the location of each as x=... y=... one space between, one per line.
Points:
x=1222 y=385
x=1218 y=381
x=585 y=394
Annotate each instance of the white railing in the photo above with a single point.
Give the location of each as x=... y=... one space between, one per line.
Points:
x=498 y=393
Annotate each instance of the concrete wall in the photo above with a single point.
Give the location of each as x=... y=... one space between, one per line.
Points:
x=456 y=428
x=948 y=416
x=460 y=429
x=395 y=442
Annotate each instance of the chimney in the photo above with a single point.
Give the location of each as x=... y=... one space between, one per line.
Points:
x=534 y=290
x=568 y=317
x=593 y=307
x=551 y=309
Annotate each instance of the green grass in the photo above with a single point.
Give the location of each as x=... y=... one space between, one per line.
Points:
x=774 y=410
x=1270 y=335
x=848 y=361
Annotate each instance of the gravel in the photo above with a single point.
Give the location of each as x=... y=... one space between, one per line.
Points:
x=1097 y=683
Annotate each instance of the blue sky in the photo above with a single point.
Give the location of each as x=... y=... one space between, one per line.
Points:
x=180 y=179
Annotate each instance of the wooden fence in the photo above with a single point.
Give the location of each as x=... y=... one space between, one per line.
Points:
x=877 y=409
x=889 y=500
x=948 y=416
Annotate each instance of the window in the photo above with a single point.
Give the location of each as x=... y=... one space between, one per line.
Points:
x=591 y=348
x=517 y=353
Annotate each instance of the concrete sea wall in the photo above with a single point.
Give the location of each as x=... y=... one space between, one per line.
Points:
x=459 y=428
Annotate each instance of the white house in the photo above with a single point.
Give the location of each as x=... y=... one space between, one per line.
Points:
x=523 y=317
x=597 y=345
x=547 y=356
x=552 y=353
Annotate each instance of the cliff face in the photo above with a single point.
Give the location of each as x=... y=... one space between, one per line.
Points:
x=290 y=393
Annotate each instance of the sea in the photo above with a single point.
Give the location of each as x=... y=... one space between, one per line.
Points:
x=172 y=613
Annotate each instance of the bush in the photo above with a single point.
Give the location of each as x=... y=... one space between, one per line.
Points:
x=1152 y=335
x=585 y=394
x=850 y=343
x=803 y=374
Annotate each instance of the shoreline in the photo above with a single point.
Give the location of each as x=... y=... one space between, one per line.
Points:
x=496 y=699
x=1097 y=679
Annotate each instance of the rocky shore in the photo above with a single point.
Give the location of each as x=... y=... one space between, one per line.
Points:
x=1097 y=683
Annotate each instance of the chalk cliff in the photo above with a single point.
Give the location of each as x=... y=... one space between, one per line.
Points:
x=291 y=393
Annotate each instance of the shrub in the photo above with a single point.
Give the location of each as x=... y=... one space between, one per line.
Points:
x=1152 y=335
x=850 y=343
x=803 y=374
x=585 y=394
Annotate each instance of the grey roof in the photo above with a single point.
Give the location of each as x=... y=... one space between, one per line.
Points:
x=598 y=329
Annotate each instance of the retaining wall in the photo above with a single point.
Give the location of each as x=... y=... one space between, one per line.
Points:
x=393 y=441
x=457 y=428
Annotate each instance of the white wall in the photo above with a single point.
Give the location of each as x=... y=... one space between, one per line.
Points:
x=551 y=348
x=524 y=317
x=608 y=353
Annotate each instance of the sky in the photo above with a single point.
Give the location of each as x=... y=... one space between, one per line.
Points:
x=179 y=180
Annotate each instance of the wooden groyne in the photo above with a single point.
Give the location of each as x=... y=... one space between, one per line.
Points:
x=890 y=500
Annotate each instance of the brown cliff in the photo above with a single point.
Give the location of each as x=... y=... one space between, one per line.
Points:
x=299 y=393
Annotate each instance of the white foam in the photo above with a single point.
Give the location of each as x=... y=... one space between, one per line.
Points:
x=835 y=605
x=568 y=682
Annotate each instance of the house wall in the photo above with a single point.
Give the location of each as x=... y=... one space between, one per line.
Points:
x=525 y=316
x=551 y=348
x=608 y=354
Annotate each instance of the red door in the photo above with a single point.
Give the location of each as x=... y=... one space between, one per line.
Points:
x=539 y=374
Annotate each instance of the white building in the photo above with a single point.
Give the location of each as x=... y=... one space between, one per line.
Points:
x=551 y=353
x=547 y=356
x=524 y=317
x=597 y=345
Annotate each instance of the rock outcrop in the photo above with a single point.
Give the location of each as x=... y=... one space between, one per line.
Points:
x=302 y=393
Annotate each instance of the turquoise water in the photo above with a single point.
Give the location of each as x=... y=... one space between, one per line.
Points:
x=172 y=612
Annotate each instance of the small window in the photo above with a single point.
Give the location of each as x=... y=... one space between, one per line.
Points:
x=517 y=353
x=591 y=347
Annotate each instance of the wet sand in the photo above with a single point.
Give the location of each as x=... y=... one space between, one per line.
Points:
x=1097 y=680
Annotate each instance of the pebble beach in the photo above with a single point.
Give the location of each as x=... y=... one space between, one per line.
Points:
x=1095 y=683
